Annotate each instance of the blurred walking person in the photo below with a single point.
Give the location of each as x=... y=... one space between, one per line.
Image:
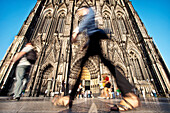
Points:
x=63 y=88
x=112 y=92
x=130 y=100
x=107 y=90
x=25 y=59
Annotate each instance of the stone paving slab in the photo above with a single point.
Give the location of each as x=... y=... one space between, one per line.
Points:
x=87 y=105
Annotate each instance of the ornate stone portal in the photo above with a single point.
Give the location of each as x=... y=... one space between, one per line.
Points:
x=130 y=48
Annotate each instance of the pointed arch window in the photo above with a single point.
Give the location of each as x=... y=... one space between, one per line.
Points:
x=137 y=68
x=61 y=24
x=122 y=25
x=45 y=75
x=45 y=25
x=107 y=25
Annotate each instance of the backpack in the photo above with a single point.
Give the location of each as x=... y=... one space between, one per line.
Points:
x=31 y=56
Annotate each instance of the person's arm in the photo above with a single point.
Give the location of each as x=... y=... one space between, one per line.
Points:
x=18 y=56
x=107 y=82
x=26 y=49
x=87 y=19
x=74 y=36
x=103 y=81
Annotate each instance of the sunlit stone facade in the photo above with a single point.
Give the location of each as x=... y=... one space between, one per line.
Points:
x=130 y=48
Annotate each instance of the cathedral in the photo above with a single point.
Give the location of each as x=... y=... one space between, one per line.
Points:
x=129 y=48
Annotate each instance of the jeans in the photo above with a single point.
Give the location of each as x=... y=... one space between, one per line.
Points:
x=113 y=94
x=21 y=74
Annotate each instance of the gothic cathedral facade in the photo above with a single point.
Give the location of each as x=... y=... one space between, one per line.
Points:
x=129 y=48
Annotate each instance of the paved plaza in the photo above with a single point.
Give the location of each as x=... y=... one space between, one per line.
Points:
x=85 y=105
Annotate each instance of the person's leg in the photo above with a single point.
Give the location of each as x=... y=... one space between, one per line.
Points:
x=130 y=100
x=113 y=94
x=20 y=71
x=68 y=100
x=74 y=90
x=102 y=92
x=122 y=83
x=106 y=93
x=110 y=93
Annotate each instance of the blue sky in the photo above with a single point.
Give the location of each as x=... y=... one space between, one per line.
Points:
x=155 y=15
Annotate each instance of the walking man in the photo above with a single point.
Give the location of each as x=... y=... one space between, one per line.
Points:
x=130 y=100
x=22 y=69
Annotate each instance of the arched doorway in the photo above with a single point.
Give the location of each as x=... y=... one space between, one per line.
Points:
x=85 y=78
x=44 y=83
x=90 y=75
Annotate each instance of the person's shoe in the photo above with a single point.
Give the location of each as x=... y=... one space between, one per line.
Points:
x=107 y=97
x=17 y=98
x=55 y=98
x=101 y=97
x=14 y=98
x=62 y=101
x=12 y=94
x=128 y=103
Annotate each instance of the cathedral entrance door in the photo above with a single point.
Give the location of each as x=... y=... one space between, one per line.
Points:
x=86 y=78
x=87 y=84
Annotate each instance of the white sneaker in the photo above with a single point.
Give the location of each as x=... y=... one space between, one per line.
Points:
x=100 y=97
x=107 y=97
